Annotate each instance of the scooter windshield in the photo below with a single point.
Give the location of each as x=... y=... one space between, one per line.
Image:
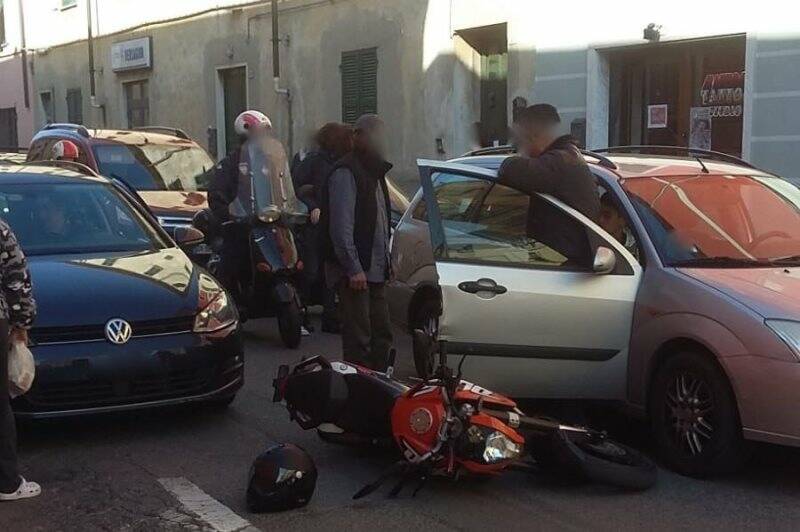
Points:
x=265 y=185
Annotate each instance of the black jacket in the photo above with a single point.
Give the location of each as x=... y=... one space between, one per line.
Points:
x=224 y=185
x=561 y=172
x=309 y=177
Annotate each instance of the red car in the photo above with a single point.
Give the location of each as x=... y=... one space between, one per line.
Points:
x=167 y=168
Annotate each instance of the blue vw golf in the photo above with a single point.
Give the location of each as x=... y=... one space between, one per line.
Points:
x=125 y=319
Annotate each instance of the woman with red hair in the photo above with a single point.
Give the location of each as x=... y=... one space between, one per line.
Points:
x=333 y=141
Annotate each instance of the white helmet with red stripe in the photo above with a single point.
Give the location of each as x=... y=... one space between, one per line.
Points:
x=65 y=150
x=250 y=121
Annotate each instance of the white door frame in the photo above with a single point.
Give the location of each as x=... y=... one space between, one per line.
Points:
x=220 y=104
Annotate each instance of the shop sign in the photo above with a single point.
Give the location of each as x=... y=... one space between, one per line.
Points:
x=131 y=55
x=723 y=94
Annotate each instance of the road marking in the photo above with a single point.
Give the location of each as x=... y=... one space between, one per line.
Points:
x=208 y=509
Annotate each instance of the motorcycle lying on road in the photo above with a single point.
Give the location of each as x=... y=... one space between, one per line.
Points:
x=445 y=426
x=265 y=211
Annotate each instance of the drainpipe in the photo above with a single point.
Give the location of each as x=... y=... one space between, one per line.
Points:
x=25 y=82
x=276 y=74
x=90 y=41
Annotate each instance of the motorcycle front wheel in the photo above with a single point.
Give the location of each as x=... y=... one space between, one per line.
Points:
x=290 y=321
x=577 y=456
x=605 y=461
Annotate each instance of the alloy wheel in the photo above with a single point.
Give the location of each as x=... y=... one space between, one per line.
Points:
x=689 y=406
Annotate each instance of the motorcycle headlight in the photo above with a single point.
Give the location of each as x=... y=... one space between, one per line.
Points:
x=269 y=214
x=218 y=315
x=500 y=447
x=789 y=332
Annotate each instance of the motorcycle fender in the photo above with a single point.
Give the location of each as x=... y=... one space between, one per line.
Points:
x=283 y=292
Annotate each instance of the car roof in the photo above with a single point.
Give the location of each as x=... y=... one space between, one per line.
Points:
x=117 y=136
x=26 y=174
x=635 y=165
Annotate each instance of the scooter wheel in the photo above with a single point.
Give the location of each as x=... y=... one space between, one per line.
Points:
x=290 y=322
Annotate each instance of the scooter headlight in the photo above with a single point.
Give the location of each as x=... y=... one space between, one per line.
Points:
x=269 y=214
x=500 y=447
x=217 y=312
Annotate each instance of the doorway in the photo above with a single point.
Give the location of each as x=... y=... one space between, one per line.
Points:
x=232 y=99
x=491 y=44
x=8 y=129
x=683 y=93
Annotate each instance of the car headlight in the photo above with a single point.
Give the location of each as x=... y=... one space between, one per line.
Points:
x=789 y=332
x=499 y=447
x=269 y=214
x=218 y=315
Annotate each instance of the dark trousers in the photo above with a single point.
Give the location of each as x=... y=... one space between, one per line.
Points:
x=314 y=289
x=234 y=267
x=366 y=329
x=9 y=476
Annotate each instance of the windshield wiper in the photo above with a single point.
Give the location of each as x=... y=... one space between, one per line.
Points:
x=723 y=262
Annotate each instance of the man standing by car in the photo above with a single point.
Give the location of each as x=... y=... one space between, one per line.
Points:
x=222 y=192
x=551 y=164
x=356 y=220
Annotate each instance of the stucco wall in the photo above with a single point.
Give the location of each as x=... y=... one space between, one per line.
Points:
x=427 y=76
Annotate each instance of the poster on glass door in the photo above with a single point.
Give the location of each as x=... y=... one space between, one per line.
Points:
x=700 y=128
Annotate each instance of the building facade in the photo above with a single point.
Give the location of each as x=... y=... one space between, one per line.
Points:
x=16 y=107
x=446 y=75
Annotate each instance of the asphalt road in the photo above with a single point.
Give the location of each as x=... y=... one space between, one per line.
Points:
x=108 y=473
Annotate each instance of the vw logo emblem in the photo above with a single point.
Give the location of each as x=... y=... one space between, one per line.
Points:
x=118 y=331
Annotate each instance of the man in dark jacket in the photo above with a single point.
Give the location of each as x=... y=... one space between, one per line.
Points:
x=235 y=253
x=357 y=252
x=551 y=164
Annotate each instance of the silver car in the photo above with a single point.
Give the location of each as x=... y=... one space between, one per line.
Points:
x=688 y=316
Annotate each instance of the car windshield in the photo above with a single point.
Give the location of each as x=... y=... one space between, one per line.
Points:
x=156 y=166
x=55 y=219
x=719 y=220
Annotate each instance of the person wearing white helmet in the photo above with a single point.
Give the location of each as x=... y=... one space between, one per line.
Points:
x=65 y=150
x=222 y=192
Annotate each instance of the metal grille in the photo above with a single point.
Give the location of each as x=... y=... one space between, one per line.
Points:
x=85 y=333
x=74 y=106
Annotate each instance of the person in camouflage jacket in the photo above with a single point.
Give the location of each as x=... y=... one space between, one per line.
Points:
x=17 y=312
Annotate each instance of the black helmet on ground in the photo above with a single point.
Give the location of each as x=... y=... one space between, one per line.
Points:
x=282 y=478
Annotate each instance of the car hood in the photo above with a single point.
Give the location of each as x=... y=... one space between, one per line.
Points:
x=771 y=292
x=91 y=289
x=174 y=203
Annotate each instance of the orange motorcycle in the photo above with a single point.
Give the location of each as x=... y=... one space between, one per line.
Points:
x=446 y=426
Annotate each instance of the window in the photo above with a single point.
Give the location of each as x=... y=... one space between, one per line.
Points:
x=74 y=218
x=156 y=167
x=2 y=25
x=66 y=4
x=48 y=109
x=488 y=223
x=74 y=106
x=137 y=103
x=359 y=83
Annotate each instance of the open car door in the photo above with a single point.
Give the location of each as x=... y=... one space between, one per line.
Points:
x=531 y=323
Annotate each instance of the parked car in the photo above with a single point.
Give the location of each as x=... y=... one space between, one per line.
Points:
x=163 y=165
x=693 y=321
x=125 y=319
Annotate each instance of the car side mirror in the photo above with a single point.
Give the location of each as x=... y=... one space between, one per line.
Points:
x=188 y=236
x=605 y=260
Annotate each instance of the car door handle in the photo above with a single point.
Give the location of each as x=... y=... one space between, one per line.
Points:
x=482 y=285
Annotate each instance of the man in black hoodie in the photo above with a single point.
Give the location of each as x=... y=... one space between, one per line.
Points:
x=551 y=164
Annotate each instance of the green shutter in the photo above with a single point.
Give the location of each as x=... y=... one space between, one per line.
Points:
x=359 y=70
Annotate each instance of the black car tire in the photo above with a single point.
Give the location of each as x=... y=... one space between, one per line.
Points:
x=426 y=318
x=691 y=394
x=290 y=321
